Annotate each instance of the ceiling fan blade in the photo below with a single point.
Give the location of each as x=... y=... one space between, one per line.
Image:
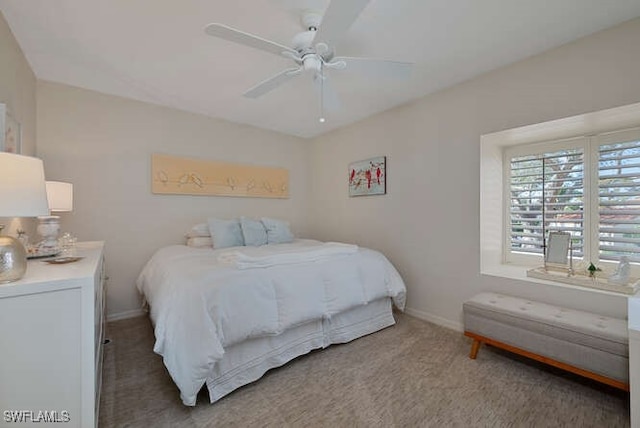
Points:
x=272 y=82
x=324 y=89
x=375 y=67
x=246 y=39
x=337 y=19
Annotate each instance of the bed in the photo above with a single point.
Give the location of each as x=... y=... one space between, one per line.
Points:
x=223 y=317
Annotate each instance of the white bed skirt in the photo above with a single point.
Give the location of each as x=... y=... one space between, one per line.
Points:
x=247 y=361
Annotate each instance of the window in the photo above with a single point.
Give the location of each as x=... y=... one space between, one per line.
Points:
x=589 y=187
x=619 y=200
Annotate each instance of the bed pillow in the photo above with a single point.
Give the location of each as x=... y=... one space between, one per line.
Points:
x=200 y=242
x=253 y=232
x=200 y=229
x=225 y=233
x=278 y=231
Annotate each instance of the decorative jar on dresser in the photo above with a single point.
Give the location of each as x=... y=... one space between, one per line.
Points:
x=51 y=335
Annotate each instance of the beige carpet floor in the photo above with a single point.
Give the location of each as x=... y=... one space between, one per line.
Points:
x=413 y=374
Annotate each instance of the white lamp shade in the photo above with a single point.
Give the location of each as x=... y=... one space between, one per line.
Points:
x=22 y=188
x=60 y=196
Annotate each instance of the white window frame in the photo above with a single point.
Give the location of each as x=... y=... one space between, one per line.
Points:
x=591 y=148
x=537 y=148
x=492 y=178
x=622 y=136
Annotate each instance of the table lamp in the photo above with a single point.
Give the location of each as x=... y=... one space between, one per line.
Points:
x=22 y=194
x=60 y=199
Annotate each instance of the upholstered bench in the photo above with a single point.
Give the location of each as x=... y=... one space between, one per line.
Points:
x=584 y=343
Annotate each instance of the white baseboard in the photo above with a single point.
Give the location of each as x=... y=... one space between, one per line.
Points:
x=435 y=319
x=126 y=314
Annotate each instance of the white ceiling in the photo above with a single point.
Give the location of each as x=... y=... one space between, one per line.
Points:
x=156 y=51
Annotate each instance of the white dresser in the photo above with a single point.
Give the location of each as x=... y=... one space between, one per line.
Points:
x=51 y=334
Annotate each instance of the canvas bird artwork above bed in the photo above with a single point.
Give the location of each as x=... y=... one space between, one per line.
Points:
x=244 y=296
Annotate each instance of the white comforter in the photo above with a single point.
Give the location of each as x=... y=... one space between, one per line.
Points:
x=200 y=305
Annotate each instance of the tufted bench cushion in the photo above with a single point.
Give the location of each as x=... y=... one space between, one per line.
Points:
x=589 y=344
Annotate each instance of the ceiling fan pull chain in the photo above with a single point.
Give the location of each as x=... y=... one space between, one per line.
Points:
x=322 y=119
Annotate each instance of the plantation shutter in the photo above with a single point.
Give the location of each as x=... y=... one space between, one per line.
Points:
x=547 y=185
x=619 y=200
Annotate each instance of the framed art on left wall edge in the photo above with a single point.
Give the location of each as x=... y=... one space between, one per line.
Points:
x=10 y=132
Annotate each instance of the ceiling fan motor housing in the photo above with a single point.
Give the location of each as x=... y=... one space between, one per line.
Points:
x=303 y=42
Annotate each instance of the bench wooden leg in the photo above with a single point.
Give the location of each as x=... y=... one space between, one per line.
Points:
x=475 y=346
x=478 y=340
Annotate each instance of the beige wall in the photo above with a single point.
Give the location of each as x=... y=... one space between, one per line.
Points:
x=18 y=92
x=428 y=223
x=103 y=145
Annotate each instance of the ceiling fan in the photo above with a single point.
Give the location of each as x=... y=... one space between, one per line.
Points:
x=313 y=51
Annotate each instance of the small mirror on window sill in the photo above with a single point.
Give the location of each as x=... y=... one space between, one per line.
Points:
x=558 y=251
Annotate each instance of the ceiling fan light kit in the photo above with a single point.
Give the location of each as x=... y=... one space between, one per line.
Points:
x=313 y=51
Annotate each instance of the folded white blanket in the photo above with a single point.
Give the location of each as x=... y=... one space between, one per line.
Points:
x=268 y=256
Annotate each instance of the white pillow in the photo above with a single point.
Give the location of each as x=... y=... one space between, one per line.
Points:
x=200 y=242
x=253 y=232
x=278 y=231
x=200 y=229
x=225 y=233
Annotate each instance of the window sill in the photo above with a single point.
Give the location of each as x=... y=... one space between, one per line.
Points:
x=582 y=278
x=519 y=273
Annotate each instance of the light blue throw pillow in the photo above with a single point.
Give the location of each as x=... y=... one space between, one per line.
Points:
x=225 y=233
x=253 y=232
x=278 y=231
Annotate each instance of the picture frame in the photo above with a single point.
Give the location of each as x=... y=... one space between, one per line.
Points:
x=10 y=132
x=368 y=177
x=557 y=252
